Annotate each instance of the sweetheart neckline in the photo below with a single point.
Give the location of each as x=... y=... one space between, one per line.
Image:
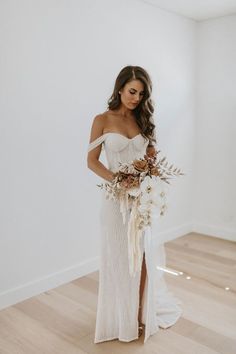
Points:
x=123 y=135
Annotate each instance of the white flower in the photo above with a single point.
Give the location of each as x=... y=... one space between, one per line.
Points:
x=134 y=192
x=153 y=196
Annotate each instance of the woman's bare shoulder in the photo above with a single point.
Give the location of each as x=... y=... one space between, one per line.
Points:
x=98 y=125
x=99 y=119
x=106 y=115
x=102 y=119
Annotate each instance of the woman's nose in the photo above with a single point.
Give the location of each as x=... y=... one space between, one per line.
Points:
x=137 y=97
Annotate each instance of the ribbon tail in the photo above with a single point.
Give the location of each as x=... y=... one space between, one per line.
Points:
x=123 y=207
x=134 y=234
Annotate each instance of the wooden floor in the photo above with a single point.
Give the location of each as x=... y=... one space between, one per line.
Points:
x=62 y=320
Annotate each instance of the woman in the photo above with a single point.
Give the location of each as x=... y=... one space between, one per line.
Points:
x=127 y=304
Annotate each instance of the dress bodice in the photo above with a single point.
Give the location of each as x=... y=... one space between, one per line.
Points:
x=119 y=148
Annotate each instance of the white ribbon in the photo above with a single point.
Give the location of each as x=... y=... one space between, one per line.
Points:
x=134 y=235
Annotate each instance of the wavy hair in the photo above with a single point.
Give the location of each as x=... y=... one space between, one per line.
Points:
x=144 y=111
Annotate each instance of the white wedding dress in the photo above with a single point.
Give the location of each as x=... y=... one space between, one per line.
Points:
x=118 y=295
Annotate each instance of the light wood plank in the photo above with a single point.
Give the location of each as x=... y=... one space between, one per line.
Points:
x=62 y=320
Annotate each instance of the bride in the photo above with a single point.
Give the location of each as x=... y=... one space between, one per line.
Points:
x=128 y=305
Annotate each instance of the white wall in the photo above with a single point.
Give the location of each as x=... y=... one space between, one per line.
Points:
x=215 y=176
x=58 y=65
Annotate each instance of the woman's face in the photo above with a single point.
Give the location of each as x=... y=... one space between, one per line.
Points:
x=132 y=93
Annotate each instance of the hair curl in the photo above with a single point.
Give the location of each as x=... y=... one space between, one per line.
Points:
x=144 y=111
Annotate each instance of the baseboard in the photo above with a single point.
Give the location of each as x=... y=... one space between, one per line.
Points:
x=54 y=280
x=175 y=232
x=38 y=286
x=215 y=231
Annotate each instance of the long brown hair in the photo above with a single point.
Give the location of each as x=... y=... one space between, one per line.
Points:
x=144 y=111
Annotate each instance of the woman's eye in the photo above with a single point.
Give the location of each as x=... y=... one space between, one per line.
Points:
x=132 y=93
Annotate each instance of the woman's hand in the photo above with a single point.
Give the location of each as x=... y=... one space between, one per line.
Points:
x=112 y=176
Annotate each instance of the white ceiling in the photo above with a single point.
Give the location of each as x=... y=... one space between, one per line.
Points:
x=198 y=10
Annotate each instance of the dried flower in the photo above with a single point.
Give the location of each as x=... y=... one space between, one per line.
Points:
x=143 y=178
x=140 y=165
x=154 y=171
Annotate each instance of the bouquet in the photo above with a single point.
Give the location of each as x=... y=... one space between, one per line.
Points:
x=140 y=188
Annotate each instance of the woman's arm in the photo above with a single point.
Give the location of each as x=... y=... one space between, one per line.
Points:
x=93 y=162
